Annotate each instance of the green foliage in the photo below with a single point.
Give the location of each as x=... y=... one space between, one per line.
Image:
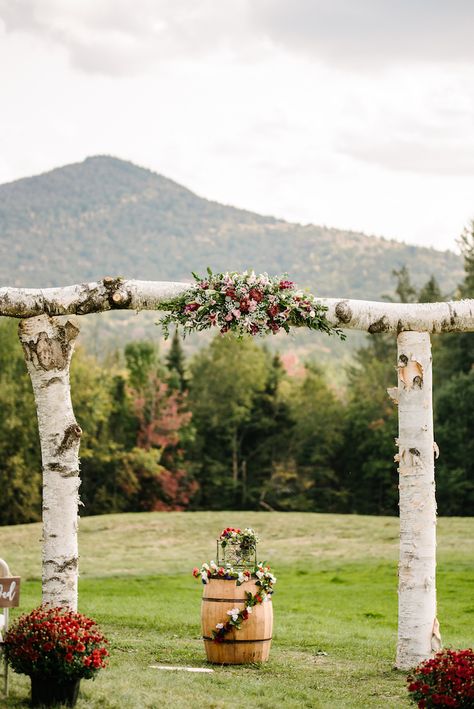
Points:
x=20 y=467
x=466 y=243
x=141 y=359
x=368 y=474
x=315 y=442
x=454 y=429
x=133 y=425
x=226 y=379
x=176 y=363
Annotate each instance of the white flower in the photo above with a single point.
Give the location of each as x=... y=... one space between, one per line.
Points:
x=249 y=609
x=234 y=612
x=241 y=577
x=213 y=565
x=204 y=577
x=259 y=574
x=219 y=626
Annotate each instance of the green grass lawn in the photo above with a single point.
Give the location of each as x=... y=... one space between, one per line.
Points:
x=335 y=607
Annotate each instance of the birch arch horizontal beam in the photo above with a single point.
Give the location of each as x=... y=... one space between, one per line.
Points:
x=48 y=342
x=120 y=294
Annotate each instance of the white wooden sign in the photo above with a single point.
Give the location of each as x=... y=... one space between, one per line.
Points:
x=9 y=598
x=9 y=592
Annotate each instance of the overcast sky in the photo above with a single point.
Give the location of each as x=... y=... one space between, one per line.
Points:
x=356 y=114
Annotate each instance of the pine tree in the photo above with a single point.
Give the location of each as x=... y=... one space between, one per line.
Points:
x=405 y=289
x=175 y=361
x=466 y=242
x=431 y=292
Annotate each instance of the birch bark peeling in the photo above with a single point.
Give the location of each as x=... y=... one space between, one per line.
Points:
x=118 y=293
x=418 y=629
x=48 y=345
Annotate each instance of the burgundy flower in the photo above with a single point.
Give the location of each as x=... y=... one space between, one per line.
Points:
x=273 y=310
x=190 y=307
x=256 y=295
x=286 y=285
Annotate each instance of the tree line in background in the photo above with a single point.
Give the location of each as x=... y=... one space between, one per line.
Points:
x=231 y=429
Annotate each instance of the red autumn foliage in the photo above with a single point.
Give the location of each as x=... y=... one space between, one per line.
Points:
x=161 y=416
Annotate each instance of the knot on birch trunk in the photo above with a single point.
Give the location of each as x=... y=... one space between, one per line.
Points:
x=48 y=352
x=410 y=372
x=343 y=311
x=380 y=325
x=72 y=436
x=117 y=294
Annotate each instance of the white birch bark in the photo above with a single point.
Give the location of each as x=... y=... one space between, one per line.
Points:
x=418 y=630
x=117 y=293
x=48 y=345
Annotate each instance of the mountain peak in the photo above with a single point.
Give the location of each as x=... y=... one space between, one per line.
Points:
x=107 y=215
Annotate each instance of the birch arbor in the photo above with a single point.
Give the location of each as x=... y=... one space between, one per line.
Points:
x=48 y=342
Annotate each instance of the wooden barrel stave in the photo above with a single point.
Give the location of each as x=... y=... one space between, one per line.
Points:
x=249 y=644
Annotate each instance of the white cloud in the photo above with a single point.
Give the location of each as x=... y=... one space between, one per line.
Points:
x=371 y=33
x=120 y=37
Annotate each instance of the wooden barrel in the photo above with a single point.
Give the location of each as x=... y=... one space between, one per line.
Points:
x=249 y=644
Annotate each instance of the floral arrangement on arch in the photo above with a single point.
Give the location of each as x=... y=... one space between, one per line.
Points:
x=56 y=642
x=246 y=304
x=446 y=680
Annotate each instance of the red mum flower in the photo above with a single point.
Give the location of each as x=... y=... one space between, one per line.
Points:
x=256 y=295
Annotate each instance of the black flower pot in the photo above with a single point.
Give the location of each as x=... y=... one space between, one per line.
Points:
x=51 y=691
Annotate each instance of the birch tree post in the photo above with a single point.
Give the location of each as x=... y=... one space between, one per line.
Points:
x=48 y=349
x=48 y=345
x=418 y=628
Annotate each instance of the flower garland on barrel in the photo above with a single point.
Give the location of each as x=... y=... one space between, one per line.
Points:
x=247 y=304
x=265 y=580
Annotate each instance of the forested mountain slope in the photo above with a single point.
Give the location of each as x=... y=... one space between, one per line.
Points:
x=105 y=216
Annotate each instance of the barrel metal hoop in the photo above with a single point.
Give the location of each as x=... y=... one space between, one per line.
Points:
x=231 y=642
x=226 y=600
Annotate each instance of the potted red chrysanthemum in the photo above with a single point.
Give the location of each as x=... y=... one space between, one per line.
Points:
x=56 y=648
x=446 y=680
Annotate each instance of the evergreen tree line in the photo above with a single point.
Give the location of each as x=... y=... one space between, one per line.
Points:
x=231 y=429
